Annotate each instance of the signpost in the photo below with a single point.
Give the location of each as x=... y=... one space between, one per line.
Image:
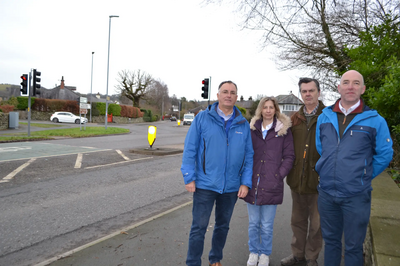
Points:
x=83 y=106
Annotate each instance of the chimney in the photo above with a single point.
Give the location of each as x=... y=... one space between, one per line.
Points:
x=62 y=82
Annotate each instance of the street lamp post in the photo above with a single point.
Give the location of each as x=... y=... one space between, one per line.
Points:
x=91 y=85
x=108 y=63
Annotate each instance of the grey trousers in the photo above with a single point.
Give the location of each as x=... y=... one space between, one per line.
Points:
x=306 y=226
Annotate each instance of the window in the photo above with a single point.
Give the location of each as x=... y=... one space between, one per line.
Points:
x=290 y=107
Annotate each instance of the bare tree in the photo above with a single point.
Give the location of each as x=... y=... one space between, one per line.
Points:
x=313 y=34
x=134 y=85
x=157 y=94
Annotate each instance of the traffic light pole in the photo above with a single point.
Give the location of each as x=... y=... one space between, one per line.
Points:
x=29 y=102
x=209 y=90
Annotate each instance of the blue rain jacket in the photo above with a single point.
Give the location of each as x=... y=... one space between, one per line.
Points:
x=216 y=160
x=348 y=164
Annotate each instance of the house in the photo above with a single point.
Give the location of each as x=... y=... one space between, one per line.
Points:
x=61 y=92
x=289 y=103
x=196 y=110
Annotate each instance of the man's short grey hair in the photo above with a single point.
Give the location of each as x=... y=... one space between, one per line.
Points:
x=229 y=82
x=308 y=80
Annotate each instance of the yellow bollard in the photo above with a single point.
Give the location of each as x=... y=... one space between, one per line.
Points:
x=179 y=122
x=151 y=135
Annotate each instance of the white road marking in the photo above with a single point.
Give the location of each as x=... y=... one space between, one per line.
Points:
x=78 y=163
x=16 y=171
x=104 y=238
x=55 y=155
x=96 y=166
x=11 y=149
x=123 y=155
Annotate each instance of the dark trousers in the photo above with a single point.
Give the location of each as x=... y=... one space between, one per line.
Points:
x=348 y=215
x=203 y=203
x=306 y=227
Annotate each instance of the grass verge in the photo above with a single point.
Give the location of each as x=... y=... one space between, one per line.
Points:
x=41 y=125
x=65 y=132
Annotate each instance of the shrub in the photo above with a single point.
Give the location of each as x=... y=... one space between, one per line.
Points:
x=130 y=111
x=95 y=111
x=6 y=108
x=147 y=115
x=114 y=109
x=22 y=103
x=102 y=108
x=12 y=101
x=242 y=110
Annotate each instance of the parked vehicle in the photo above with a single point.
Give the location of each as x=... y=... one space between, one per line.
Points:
x=188 y=119
x=172 y=118
x=67 y=117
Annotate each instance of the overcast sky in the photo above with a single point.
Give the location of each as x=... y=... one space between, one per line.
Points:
x=179 y=42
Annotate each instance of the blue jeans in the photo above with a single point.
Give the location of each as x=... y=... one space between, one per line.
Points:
x=203 y=203
x=261 y=225
x=348 y=215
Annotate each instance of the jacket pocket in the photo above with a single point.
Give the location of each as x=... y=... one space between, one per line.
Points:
x=241 y=167
x=204 y=157
x=364 y=173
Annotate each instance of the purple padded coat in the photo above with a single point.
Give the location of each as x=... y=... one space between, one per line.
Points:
x=273 y=159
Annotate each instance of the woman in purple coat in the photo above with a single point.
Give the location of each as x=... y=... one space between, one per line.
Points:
x=272 y=161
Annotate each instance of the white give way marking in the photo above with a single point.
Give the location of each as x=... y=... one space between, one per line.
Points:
x=8 y=149
x=16 y=171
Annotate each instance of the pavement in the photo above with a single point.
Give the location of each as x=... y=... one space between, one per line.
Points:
x=163 y=240
x=384 y=225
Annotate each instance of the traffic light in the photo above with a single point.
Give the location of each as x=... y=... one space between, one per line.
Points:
x=78 y=100
x=205 y=89
x=36 y=80
x=24 y=84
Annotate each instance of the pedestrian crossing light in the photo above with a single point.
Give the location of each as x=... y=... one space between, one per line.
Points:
x=151 y=136
x=24 y=84
x=205 y=89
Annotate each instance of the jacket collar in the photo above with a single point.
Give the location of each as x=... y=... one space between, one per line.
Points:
x=212 y=110
x=280 y=125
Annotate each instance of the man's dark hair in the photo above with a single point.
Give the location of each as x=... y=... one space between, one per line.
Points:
x=308 y=80
x=228 y=81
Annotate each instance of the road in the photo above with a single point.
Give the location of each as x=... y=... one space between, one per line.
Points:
x=56 y=195
x=61 y=194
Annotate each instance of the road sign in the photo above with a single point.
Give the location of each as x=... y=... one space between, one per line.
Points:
x=84 y=105
x=83 y=111
x=82 y=100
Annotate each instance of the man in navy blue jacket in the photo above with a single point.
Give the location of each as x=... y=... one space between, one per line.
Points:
x=355 y=146
x=217 y=166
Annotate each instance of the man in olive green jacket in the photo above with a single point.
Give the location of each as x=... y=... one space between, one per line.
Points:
x=303 y=180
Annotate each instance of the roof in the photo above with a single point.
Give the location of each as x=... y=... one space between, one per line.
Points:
x=288 y=99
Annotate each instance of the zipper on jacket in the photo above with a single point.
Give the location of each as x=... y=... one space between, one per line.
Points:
x=365 y=172
x=204 y=157
x=304 y=161
x=256 y=192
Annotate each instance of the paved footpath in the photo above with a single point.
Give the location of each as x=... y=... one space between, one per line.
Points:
x=164 y=239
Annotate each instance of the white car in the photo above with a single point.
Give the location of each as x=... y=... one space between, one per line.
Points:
x=188 y=119
x=67 y=117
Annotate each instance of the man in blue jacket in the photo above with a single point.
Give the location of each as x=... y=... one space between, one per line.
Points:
x=355 y=146
x=217 y=166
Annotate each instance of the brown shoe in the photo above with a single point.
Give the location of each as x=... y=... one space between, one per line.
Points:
x=312 y=263
x=292 y=260
x=215 y=264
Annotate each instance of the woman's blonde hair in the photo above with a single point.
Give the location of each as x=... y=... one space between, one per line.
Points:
x=260 y=106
